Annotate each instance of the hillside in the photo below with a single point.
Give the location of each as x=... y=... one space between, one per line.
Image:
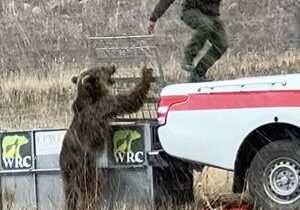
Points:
x=40 y=35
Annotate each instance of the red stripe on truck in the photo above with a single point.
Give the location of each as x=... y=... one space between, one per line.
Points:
x=239 y=100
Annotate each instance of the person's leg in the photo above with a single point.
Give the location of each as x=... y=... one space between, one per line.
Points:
x=202 y=26
x=192 y=49
x=219 y=46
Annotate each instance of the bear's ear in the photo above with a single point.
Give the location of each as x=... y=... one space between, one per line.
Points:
x=74 y=79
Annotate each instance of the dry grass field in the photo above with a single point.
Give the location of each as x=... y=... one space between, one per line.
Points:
x=30 y=101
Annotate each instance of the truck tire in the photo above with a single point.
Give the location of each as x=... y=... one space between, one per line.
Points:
x=274 y=176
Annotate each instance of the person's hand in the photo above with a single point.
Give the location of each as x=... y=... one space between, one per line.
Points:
x=151 y=26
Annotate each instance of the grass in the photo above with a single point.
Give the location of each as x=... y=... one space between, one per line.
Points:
x=30 y=101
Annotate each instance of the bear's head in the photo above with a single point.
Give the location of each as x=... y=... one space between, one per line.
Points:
x=92 y=84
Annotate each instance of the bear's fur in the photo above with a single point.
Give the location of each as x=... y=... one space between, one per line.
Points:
x=93 y=108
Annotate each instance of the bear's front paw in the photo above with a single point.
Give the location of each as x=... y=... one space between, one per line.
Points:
x=147 y=75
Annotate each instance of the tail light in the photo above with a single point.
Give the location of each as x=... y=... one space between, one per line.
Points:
x=164 y=105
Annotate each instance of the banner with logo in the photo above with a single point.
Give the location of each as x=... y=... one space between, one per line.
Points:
x=127 y=146
x=16 y=150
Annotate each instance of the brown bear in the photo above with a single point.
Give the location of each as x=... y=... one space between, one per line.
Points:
x=94 y=108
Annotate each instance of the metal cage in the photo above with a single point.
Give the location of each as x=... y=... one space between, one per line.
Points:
x=129 y=53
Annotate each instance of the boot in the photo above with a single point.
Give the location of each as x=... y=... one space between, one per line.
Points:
x=186 y=65
x=195 y=77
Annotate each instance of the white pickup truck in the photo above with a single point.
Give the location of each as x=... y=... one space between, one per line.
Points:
x=250 y=126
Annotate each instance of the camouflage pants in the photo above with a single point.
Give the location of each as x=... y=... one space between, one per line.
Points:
x=207 y=28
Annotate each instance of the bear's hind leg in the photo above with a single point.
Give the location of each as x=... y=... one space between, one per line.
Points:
x=71 y=197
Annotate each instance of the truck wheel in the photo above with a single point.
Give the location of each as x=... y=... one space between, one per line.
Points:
x=274 y=176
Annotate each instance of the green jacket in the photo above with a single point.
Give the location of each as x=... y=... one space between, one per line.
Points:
x=207 y=7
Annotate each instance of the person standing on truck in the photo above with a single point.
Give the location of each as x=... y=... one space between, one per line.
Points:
x=203 y=16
